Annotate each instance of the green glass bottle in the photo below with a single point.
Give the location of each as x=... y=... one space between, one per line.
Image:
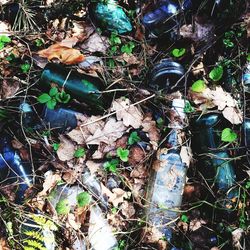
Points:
x=82 y=87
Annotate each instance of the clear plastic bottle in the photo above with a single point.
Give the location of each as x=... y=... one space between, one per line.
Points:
x=167 y=181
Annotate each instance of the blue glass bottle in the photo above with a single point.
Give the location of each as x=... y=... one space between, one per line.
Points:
x=13 y=170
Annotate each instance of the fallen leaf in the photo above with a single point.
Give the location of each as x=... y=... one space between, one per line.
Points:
x=130 y=115
x=71 y=222
x=8 y=89
x=5 y=28
x=69 y=42
x=139 y=171
x=74 y=173
x=93 y=166
x=136 y=155
x=196 y=224
x=62 y=53
x=4 y=244
x=186 y=155
x=66 y=149
x=127 y=209
x=49 y=182
x=232 y=115
x=237 y=234
x=96 y=43
x=111 y=131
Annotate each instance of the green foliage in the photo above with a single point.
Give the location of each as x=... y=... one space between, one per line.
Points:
x=228 y=43
x=178 y=52
x=80 y=152
x=63 y=97
x=83 y=199
x=188 y=107
x=111 y=166
x=198 y=86
x=228 y=135
x=160 y=122
x=216 y=73
x=53 y=97
x=248 y=57
x=111 y=63
x=56 y=146
x=44 y=223
x=114 y=42
x=128 y=48
x=3 y=40
x=3 y=114
x=62 y=207
x=247 y=185
x=121 y=245
x=34 y=234
x=35 y=244
x=25 y=67
x=184 y=218
x=39 y=42
x=133 y=138
x=122 y=154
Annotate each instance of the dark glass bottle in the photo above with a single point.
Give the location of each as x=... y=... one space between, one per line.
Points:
x=168 y=177
x=13 y=170
x=215 y=164
x=82 y=87
x=166 y=76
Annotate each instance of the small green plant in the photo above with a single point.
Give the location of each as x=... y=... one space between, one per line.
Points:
x=133 y=138
x=178 y=52
x=248 y=57
x=198 y=86
x=111 y=166
x=184 y=218
x=114 y=42
x=62 y=207
x=80 y=152
x=53 y=97
x=121 y=245
x=228 y=135
x=128 y=48
x=3 y=114
x=122 y=154
x=83 y=199
x=188 y=107
x=10 y=57
x=39 y=42
x=3 y=40
x=25 y=67
x=216 y=73
x=160 y=122
x=247 y=186
x=56 y=146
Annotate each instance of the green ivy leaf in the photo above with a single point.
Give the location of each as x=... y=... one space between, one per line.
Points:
x=5 y=39
x=188 y=107
x=216 y=73
x=80 y=152
x=53 y=91
x=184 y=218
x=56 y=146
x=228 y=135
x=25 y=67
x=51 y=103
x=198 y=86
x=123 y=154
x=43 y=98
x=38 y=42
x=1 y=45
x=62 y=207
x=63 y=97
x=128 y=48
x=83 y=199
x=111 y=165
x=248 y=57
x=133 y=138
x=178 y=52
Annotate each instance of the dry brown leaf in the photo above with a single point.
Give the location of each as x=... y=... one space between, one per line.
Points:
x=196 y=224
x=71 y=222
x=130 y=115
x=96 y=43
x=129 y=59
x=127 y=209
x=5 y=28
x=186 y=155
x=139 y=171
x=50 y=182
x=69 y=42
x=66 y=150
x=136 y=155
x=111 y=131
x=232 y=115
x=4 y=244
x=62 y=53
x=73 y=174
x=8 y=89
x=117 y=195
x=93 y=166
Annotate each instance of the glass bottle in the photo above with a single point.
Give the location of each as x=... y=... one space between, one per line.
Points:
x=165 y=75
x=82 y=87
x=168 y=177
x=109 y=15
x=13 y=170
